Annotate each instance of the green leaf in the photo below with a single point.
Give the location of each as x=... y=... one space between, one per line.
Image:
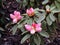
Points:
x=0 y=35
x=24 y=32
x=49 y=21
x=36 y=9
x=42 y=10
x=44 y=34
x=37 y=39
x=32 y=4
x=24 y=3
x=41 y=17
x=58 y=0
x=14 y=29
x=52 y=8
x=57 y=4
x=32 y=0
x=56 y=11
x=2 y=29
x=59 y=17
x=20 y=25
x=45 y=2
x=29 y=21
x=44 y=25
x=18 y=0
x=52 y=17
x=25 y=38
x=22 y=29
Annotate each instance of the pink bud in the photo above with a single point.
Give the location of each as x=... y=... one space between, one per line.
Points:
x=30 y=12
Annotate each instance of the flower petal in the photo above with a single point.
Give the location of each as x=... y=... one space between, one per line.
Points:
x=38 y=29
x=34 y=24
x=38 y=25
x=19 y=17
x=16 y=13
x=28 y=27
x=28 y=12
x=15 y=20
x=32 y=31
x=12 y=16
x=32 y=10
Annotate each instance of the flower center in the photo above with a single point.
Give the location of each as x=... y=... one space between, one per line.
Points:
x=32 y=14
x=33 y=28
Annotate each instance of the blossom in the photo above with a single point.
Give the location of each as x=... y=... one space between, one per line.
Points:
x=30 y=12
x=33 y=28
x=16 y=16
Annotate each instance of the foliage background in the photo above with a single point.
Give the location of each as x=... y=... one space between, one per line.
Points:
x=9 y=6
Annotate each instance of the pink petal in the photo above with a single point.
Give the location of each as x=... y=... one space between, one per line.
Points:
x=28 y=27
x=38 y=25
x=32 y=31
x=38 y=29
x=12 y=16
x=16 y=13
x=32 y=10
x=28 y=12
x=15 y=20
x=34 y=24
x=19 y=17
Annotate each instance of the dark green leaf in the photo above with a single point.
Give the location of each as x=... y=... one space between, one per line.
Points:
x=32 y=0
x=0 y=35
x=32 y=4
x=41 y=17
x=58 y=0
x=29 y=21
x=56 y=11
x=49 y=21
x=24 y=32
x=52 y=8
x=45 y=1
x=18 y=0
x=57 y=4
x=44 y=25
x=36 y=9
x=24 y=3
x=59 y=17
x=44 y=34
x=52 y=17
x=2 y=29
x=14 y=29
x=25 y=38
x=37 y=39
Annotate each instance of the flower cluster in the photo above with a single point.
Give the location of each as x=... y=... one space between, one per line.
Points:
x=31 y=28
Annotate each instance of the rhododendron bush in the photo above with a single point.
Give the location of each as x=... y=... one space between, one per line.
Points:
x=33 y=20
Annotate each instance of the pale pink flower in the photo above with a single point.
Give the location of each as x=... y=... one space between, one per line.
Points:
x=30 y=12
x=33 y=28
x=16 y=16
